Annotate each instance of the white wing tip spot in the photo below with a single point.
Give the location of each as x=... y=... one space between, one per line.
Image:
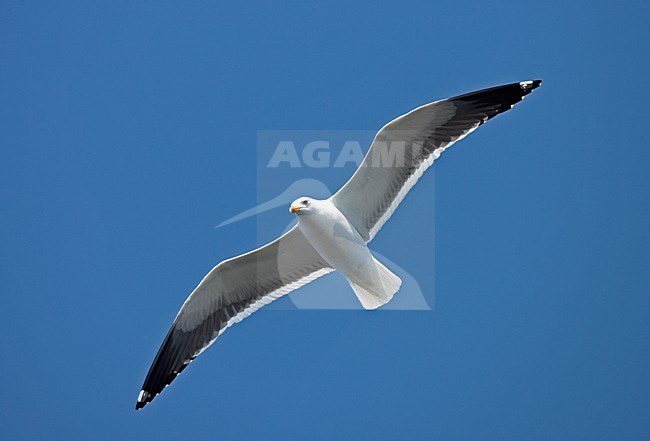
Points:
x=525 y=84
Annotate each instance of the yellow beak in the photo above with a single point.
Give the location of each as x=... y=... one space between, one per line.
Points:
x=294 y=209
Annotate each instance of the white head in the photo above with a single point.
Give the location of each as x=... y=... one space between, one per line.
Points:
x=303 y=205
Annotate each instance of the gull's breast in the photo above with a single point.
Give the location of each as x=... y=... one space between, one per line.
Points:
x=335 y=238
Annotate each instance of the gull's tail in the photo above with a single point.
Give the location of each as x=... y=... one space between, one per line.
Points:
x=380 y=291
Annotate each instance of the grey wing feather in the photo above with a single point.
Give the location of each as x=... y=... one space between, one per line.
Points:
x=404 y=148
x=230 y=292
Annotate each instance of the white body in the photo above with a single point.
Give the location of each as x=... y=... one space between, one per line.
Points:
x=340 y=244
x=335 y=239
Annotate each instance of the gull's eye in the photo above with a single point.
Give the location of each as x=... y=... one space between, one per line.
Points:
x=305 y=202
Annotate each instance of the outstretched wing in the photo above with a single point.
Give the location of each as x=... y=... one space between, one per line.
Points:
x=405 y=147
x=229 y=293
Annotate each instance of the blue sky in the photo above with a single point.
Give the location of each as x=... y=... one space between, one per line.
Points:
x=128 y=130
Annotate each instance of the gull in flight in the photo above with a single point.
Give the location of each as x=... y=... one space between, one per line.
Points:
x=331 y=234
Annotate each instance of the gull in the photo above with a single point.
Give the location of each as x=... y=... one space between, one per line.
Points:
x=331 y=234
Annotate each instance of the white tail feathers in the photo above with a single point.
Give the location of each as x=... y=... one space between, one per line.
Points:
x=379 y=292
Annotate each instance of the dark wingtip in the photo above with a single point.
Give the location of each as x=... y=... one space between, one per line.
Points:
x=530 y=84
x=143 y=399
